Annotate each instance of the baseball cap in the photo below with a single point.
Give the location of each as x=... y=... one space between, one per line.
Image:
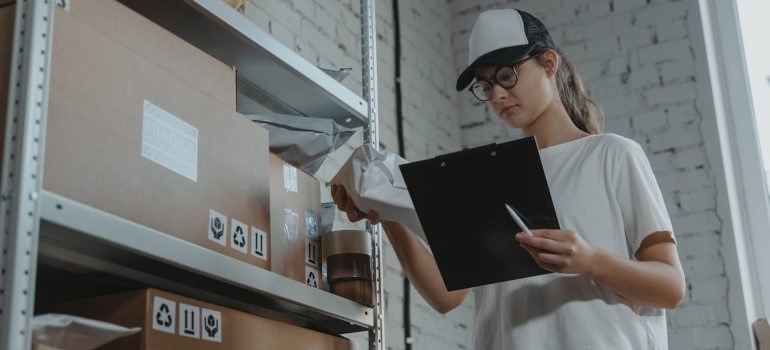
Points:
x=502 y=37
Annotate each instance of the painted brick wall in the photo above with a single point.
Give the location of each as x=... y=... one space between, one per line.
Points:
x=637 y=59
x=326 y=33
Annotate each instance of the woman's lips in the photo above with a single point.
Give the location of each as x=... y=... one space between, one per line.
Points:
x=507 y=108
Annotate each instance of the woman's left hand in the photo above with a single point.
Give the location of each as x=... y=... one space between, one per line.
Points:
x=562 y=251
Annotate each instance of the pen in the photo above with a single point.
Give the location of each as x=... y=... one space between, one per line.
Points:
x=518 y=219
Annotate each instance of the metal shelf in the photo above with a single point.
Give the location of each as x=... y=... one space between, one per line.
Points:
x=260 y=59
x=61 y=235
x=83 y=239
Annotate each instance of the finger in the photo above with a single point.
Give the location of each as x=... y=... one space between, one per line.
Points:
x=374 y=217
x=546 y=244
x=551 y=259
x=353 y=213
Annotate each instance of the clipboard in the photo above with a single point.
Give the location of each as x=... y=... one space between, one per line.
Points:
x=460 y=200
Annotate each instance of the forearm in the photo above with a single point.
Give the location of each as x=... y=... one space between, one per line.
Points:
x=421 y=269
x=649 y=283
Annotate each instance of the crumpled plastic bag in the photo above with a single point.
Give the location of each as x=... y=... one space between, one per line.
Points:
x=374 y=181
x=76 y=333
x=303 y=142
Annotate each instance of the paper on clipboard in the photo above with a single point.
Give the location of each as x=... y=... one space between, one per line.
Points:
x=373 y=179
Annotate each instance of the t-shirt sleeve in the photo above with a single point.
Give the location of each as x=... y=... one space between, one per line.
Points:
x=639 y=197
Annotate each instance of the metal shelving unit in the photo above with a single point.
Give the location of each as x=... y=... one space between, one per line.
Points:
x=40 y=226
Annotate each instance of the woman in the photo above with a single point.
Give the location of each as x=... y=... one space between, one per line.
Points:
x=616 y=263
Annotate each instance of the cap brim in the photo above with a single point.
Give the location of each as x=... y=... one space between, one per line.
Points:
x=501 y=57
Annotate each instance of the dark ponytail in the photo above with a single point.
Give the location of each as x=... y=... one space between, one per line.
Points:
x=583 y=111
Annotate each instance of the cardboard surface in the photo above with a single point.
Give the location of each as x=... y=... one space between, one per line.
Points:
x=159 y=46
x=295 y=206
x=237 y=330
x=762 y=333
x=44 y=347
x=97 y=148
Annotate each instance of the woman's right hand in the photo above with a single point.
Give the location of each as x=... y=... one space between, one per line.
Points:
x=345 y=203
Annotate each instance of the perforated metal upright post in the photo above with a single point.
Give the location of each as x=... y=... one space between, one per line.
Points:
x=22 y=169
x=371 y=136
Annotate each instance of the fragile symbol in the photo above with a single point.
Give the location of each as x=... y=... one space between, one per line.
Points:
x=159 y=317
x=217 y=228
x=239 y=238
x=212 y=326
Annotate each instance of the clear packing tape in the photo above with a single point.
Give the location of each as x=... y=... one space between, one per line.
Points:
x=68 y=332
x=373 y=179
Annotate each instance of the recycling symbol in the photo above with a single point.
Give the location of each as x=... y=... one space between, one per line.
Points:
x=239 y=237
x=163 y=317
x=311 y=280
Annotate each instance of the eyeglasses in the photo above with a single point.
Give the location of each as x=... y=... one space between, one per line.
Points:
x=506 y=77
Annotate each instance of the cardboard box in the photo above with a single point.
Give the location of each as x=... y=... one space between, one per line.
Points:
x=295 y=207
x=171 y=321
x=238 y=5
x=143 y=125
x=762 y=333
x=36 y=346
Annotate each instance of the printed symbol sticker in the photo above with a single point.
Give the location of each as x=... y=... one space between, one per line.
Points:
x=217 y=227
x=189 y=321
x=311 y=277
x=163 y=314
x=259 y=243
x=311 y=251
x=212 y=325
x=239 y=236
x=311 y=224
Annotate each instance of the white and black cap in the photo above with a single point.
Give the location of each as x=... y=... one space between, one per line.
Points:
x=502 y=37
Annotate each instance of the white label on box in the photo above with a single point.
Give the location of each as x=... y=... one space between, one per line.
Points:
x=311 y=224
x=169 y=141
x=212 y=325
x=311 y=251
x=311 y=277
x=290 y=178
x=291 y=225
x=189 y=321
x=239 y=236
x=163 y=315
x=260 y=245
x=217 y=227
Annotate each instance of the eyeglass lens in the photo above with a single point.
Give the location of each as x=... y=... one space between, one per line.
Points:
x=506 y=77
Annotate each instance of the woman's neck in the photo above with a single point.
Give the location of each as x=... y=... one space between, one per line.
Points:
x=553 y=127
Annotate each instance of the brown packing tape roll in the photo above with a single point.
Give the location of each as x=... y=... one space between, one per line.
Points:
x=346 y=241
x=360 y=291
x=347 y=266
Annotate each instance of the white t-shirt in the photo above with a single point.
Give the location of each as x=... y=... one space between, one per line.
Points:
x=603 y=189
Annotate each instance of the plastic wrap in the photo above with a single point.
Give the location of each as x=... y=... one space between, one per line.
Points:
x=303 y=141
x=68 y=332
x=374 y=181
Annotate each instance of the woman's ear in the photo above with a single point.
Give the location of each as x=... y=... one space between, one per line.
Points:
x=550 y=61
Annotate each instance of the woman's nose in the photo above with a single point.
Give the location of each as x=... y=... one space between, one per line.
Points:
x=498 y=92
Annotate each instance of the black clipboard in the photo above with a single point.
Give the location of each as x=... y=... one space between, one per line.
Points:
x=460 y=201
